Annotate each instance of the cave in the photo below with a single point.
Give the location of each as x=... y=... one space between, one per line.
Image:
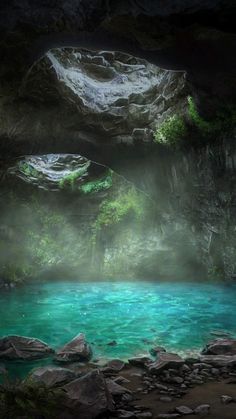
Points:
x=117 y=221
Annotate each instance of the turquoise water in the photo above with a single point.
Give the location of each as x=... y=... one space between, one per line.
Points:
x=137 y=315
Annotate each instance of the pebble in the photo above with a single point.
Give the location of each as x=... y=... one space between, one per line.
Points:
x=161 y=387
x=144 y=415
x=165 y=399
x=177 y=380
x=184 y=410
x=125 y=414
x=168 y=416
x=202 y=409
x=226 y=399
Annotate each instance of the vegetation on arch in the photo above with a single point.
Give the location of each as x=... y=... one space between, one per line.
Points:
x=171 y=131
x=177 y=128
x=128 y=202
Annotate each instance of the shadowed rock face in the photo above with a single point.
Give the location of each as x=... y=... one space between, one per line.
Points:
x=51 y=376
x=190 y=36
x=80 y=394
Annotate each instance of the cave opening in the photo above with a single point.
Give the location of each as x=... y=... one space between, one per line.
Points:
x=117 y=221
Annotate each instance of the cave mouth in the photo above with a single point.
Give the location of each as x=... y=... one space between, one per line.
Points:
x=110 y=192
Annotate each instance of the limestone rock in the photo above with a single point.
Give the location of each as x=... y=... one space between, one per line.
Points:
x=23 y=348
x=75 y=351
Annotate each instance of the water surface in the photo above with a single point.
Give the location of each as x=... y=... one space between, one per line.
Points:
x=136 y=315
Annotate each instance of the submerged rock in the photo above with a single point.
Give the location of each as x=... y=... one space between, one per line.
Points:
x=89 y=395
x=220 y=347
x=23 y=348
x=51 y=376
x=75 y=351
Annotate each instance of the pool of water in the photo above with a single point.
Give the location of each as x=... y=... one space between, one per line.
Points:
x=136 y=315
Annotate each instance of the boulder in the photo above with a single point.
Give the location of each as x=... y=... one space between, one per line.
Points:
x=141 y=361
x=51 y=376
x=113 y=366
x=219 y=360
x=23 y=348
x=89 y=395
x=77 y=350
x=116 y=389
x=165 y=360
x=220 y=347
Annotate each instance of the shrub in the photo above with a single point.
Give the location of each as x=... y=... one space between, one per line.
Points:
x=171 y=131
x=115 y=210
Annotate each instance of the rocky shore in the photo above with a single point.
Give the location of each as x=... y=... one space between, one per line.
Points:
x=162 y=386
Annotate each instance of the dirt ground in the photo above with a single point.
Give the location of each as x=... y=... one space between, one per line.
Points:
x=207 y=393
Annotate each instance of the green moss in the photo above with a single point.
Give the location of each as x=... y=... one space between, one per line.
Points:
x=224 y=120
x=98 y=184
x=28 y=170
x=171 y=131
x=70 y=180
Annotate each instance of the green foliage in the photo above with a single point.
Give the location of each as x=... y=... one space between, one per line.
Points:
x=28 y=170
x=98 y=184
x=206 y=127
x=171 y=131
x=115 y=210
x=225 y=119
x=69 y=181
x=29 y=400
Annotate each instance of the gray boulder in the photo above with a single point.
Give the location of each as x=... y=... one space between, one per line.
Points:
x=51 y=376
x=165 y=360
x=89 y=395
x=220 y=347
x=77 y=350
x=23 y=348
x=219 y=360
x=116 y=389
